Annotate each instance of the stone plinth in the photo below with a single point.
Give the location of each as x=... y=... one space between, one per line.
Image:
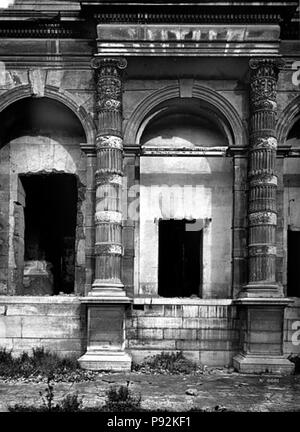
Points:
x=106 y=335
x=262 y=337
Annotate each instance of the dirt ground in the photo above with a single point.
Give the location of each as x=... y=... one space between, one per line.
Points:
x=235 y=392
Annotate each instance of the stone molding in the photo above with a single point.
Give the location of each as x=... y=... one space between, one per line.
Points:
x=287 y=119
x=64 y=97
x=188 y=39
x=236 y=131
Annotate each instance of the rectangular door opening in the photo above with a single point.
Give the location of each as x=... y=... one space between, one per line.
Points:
x=180 y=258
x=50 y=229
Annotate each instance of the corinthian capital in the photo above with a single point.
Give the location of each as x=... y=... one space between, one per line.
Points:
x=263 y=81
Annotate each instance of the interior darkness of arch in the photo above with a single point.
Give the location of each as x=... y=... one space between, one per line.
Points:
x=50 y=225
x=185 y=122
x=293 y=138
x=35 y=116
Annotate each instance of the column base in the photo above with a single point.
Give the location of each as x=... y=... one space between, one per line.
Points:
x=263 y=290
x=117 y=361
x=102 y=289
x=254 y=364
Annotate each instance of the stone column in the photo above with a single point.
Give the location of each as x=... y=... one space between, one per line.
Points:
x=107 y=300
x=262 y=216
x=109 y=174
x=261 y=302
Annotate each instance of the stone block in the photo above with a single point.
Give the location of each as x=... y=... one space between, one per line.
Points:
x=151 y=344
x=176 y=334
x=207 y=323
x=10 y=327
x=150 y=333
x=216 y=358
x=6 y=343
x=44 y=309
x=173 y=310
x=50 y=327
x=159 y=322
x=190 y=311
x=208 y=345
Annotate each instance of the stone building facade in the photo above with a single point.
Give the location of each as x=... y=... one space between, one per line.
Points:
x=150 y=181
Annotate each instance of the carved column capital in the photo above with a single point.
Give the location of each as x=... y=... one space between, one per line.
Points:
x=108 y=65
x=263 y=82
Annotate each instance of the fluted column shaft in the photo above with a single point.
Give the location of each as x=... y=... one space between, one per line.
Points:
x=262 y=216
x=109 y=173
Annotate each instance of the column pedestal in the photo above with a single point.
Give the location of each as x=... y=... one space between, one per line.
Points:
x=262 y=337
x=106 y=335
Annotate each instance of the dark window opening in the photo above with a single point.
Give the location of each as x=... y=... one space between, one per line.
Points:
x=50 y=225
x=293 y=273
x=180 y=258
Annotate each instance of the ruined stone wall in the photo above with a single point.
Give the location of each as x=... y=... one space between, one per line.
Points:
x=55 y=323
x=206 y=331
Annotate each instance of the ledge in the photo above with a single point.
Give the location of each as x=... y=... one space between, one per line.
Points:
x=39 y=299
x=181 y=301
x=264 y=301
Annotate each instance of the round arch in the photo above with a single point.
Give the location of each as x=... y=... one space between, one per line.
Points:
x=217 y=103
x=14 y=95
x=289 y=116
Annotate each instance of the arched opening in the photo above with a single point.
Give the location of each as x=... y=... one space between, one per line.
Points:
x=40 y=117
x=185 y=201
x=40 y=166
x=184 y=123
x=292 y=215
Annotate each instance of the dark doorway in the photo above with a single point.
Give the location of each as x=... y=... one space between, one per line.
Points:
x=50 y=225
x=293 y=273
x=180 y=258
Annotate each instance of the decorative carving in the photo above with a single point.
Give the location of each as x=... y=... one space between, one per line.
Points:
x=263 y=218
x=108 y=249
x=108 y=216
x=262 y=179
x=108 y=64
x=264 y=75
x=108 y=177
x=109 y=83
x=109 y=141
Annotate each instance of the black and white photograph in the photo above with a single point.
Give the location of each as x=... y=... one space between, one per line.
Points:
x=149 y=210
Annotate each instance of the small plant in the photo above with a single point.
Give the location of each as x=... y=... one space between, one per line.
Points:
x=174 y=363
x=41 y=363
x=69 y=403
x=122 y=399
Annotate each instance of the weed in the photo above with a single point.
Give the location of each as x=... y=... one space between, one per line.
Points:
x=174 y=363
x=69 y=403
x=41 y=362
x=122 y=399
